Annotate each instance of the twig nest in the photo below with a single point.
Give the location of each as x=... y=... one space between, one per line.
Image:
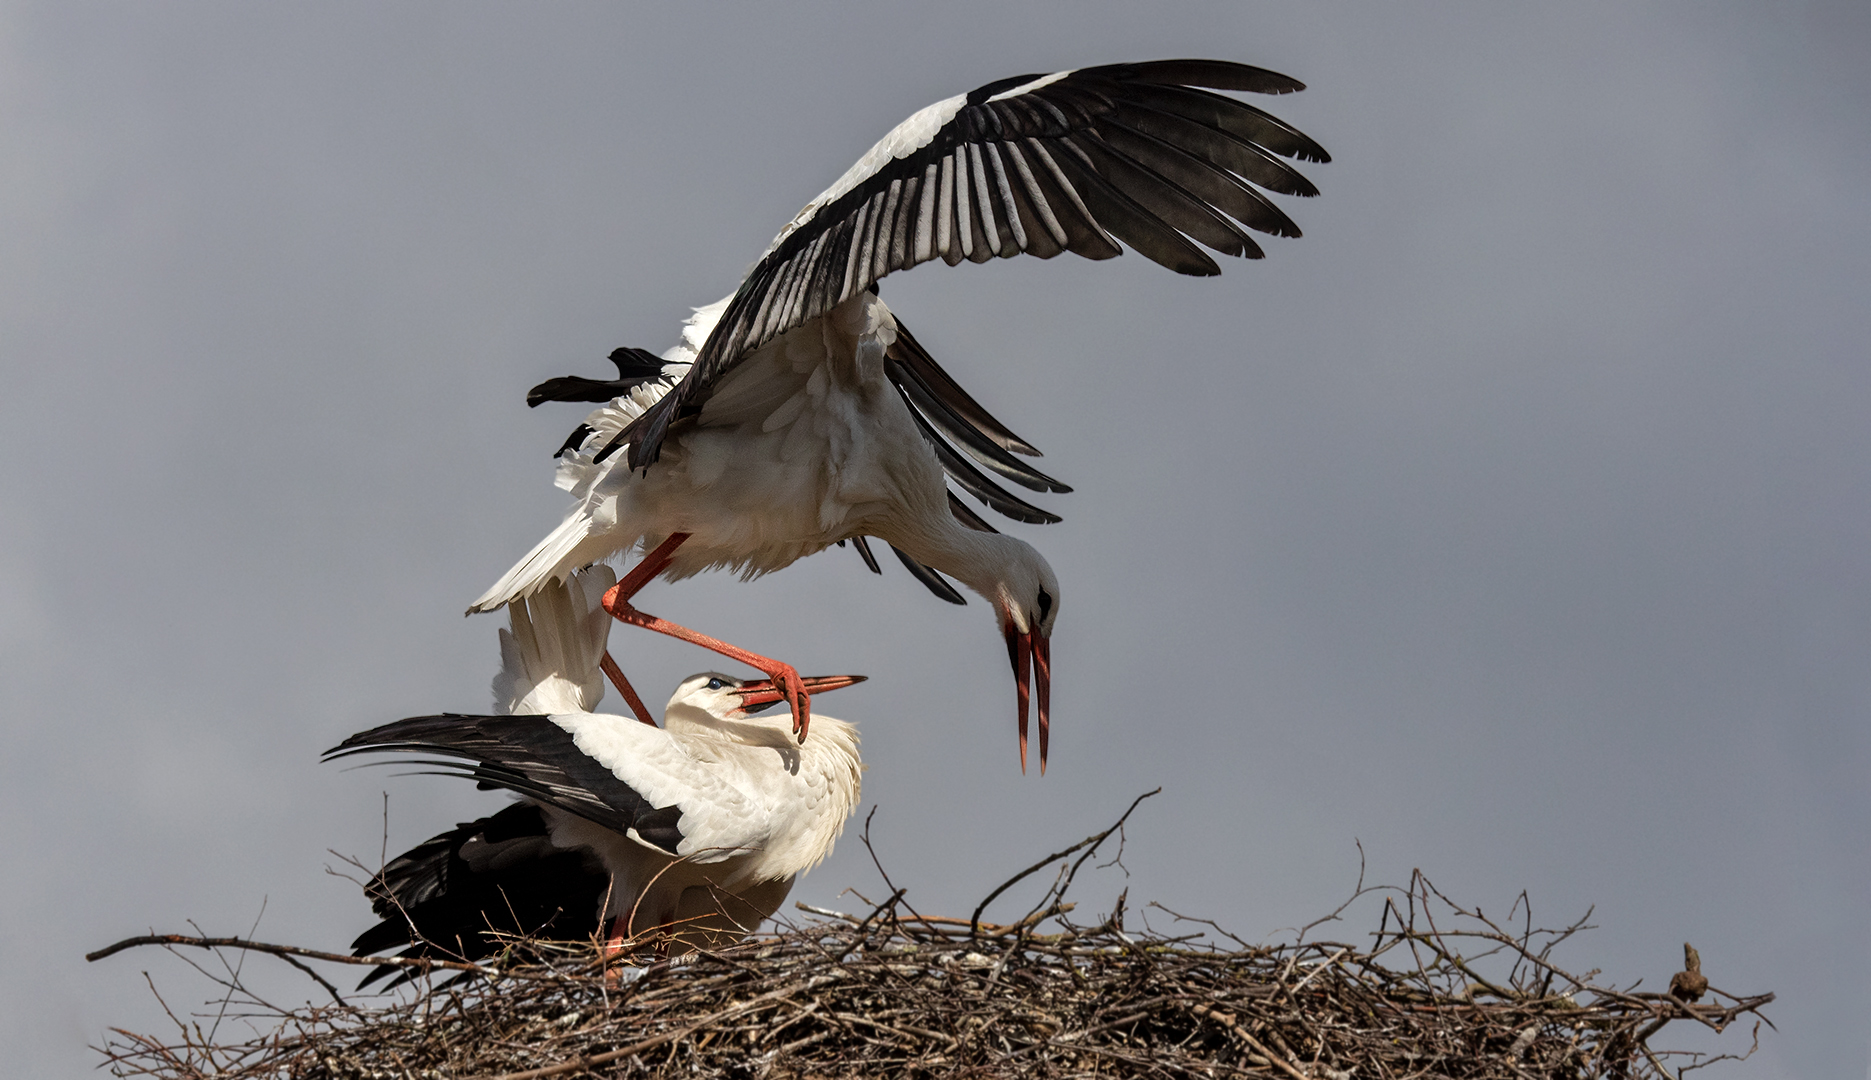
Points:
x=890 y=998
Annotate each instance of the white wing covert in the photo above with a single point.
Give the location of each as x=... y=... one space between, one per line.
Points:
x=716 y=818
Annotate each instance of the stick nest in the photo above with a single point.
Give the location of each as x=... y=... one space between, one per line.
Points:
x=1434 y=990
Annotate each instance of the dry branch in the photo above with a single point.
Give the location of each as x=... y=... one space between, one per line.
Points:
x=1438 y=991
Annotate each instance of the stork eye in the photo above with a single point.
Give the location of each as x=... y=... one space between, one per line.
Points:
x=1045 y=604
x=715 y=684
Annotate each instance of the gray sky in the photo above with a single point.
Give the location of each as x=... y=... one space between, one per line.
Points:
x=1513 y=522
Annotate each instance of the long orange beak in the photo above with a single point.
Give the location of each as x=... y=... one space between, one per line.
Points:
x=1031 y=655
x=760 y=693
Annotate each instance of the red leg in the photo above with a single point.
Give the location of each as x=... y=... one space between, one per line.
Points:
x=612 y=950
x=654 y=563
x=616 y=675
x=617 y=602
x=784 y=675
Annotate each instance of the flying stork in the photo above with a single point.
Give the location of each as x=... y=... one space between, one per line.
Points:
x=693 y=831
x=799 y=412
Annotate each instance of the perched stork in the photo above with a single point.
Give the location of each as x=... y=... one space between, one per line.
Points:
x=694 y=831
x=798 y=412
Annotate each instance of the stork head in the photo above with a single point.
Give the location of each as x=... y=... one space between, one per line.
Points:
x=1026 y=601
x=724 y=697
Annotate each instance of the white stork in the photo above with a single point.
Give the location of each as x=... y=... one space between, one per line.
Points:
x=799 y=412
x=694 y=831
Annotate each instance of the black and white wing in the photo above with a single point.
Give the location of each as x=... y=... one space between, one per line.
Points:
x=610 y=770
x=1073 y=161
x=466 y=893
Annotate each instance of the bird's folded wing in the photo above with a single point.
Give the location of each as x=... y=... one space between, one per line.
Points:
x=610 y=770
x=718 y=818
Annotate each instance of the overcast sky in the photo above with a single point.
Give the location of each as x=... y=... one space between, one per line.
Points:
x=1514 y=522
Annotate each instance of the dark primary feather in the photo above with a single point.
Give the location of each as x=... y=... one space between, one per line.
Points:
x=454 y=896
x=935 y=582
x=949 y=416
x=1134 y=153
x=911 y=361
x=948 y=408
x=973 y=481
x=978 y=447
x=967 y=516
x=863 y=545
x=530 y=755
x=634 y=368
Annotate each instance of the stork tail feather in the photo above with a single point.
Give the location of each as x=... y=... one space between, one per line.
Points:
x=561 y=552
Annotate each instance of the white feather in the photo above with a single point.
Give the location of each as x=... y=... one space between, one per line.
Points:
x=550 y=654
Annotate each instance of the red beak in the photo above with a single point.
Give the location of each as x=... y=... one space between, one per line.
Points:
x=760 y=693
x=1031 y=654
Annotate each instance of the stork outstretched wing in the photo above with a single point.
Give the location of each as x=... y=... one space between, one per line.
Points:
x=1073 y=161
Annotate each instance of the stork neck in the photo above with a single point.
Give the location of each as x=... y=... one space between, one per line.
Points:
x=974 y=558
x=827 y=740
x=686 y=719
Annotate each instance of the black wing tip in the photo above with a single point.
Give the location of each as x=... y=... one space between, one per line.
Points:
x=610 y=448
x=397 y=735
x=864 y=552
x=1211 y=75
x=546 y=391
x=931 y=578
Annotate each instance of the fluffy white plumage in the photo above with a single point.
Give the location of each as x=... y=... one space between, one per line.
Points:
x=803 y=444
x=551 y=651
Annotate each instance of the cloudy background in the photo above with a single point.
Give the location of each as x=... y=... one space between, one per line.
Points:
x=1513 y=523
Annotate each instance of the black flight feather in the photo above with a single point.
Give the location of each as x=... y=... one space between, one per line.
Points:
x=973 y=481
x=575 y=440
x=530 y=755
x=936 y=583
x=967 y=436
x=462 y=894
x=908 y=354
x=864 y=552
x=966 y=515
